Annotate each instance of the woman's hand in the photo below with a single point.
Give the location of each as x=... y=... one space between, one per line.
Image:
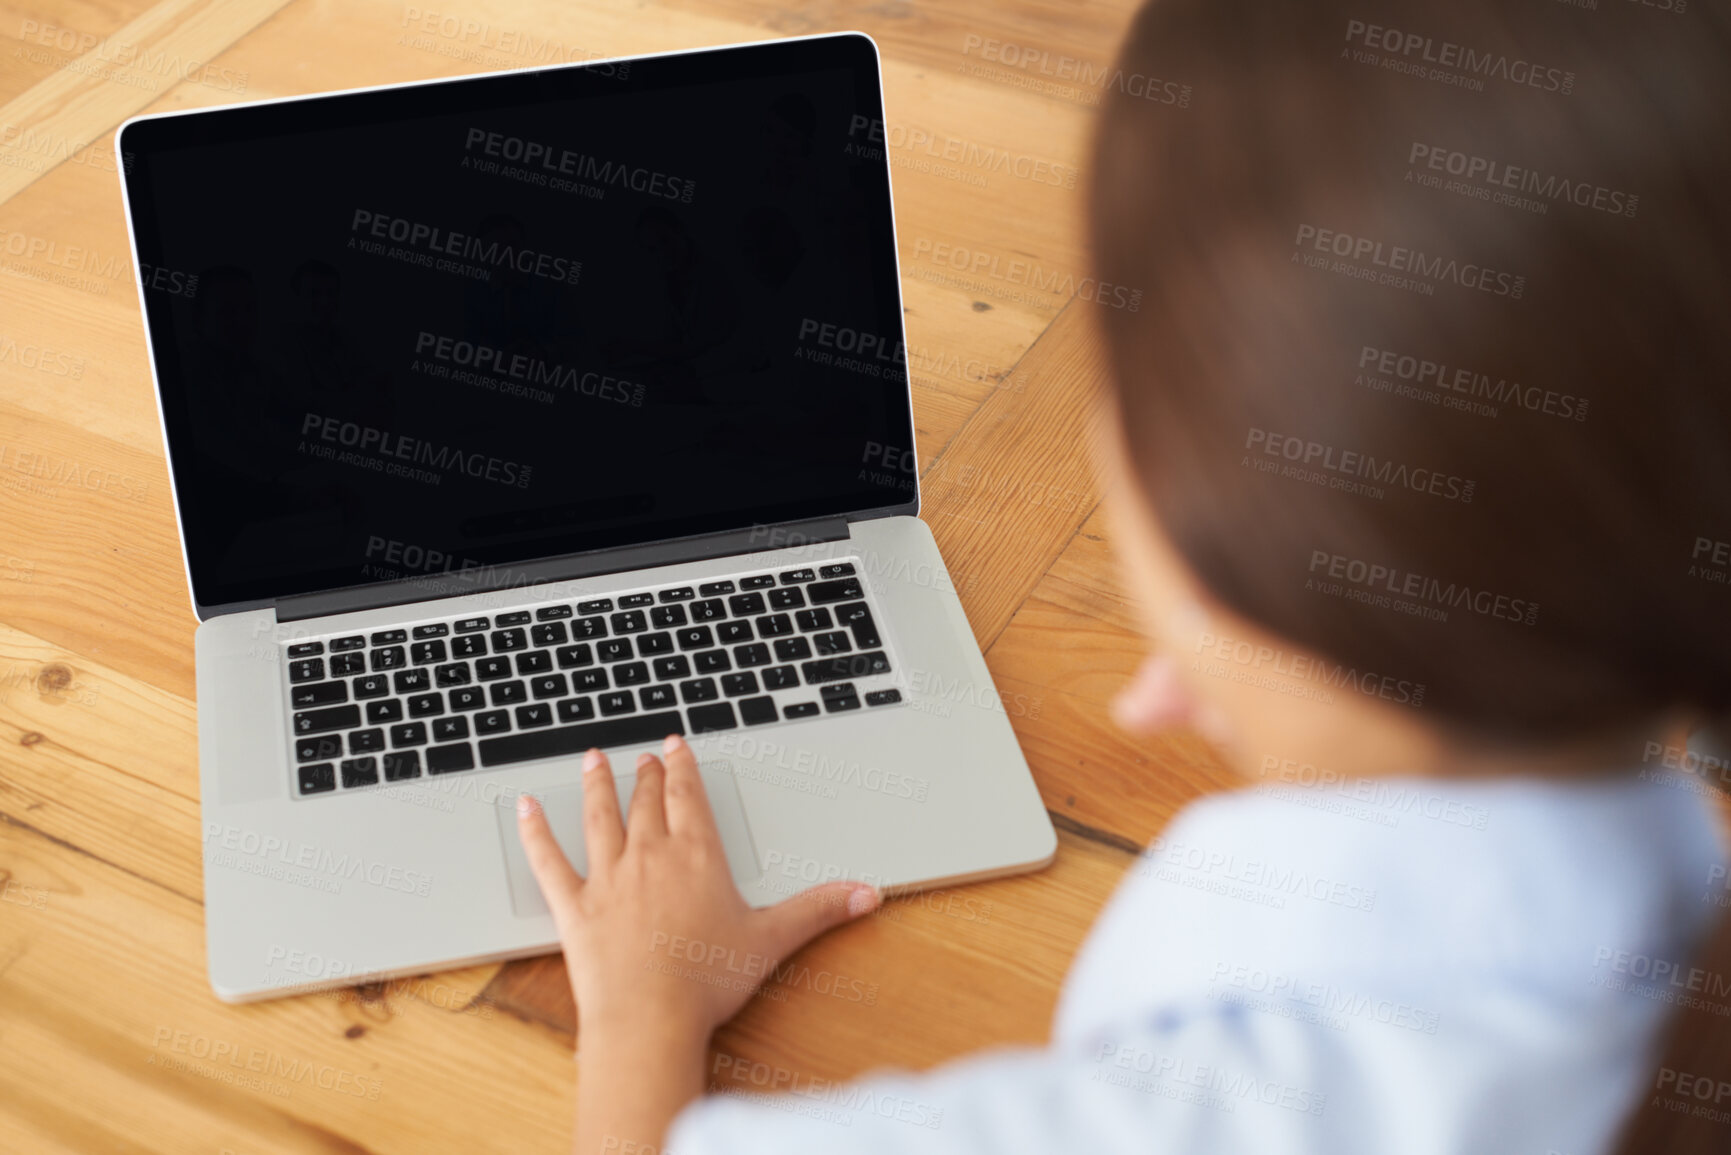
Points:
x=660 y=946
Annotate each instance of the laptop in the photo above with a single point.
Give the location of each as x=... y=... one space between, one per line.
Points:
x=517 y=414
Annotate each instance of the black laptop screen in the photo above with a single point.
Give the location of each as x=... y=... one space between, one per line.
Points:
x=468 y=324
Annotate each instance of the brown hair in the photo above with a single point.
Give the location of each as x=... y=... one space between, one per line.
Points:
x=1431 y=372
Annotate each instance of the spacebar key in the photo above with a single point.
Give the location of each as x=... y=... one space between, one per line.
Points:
x=576 y=739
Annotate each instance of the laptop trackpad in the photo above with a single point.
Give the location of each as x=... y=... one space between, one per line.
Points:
x=564 y=807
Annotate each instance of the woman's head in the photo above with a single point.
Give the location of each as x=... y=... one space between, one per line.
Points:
x=1427 y=404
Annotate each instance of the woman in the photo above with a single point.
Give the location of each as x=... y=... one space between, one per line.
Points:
x=1415 y=461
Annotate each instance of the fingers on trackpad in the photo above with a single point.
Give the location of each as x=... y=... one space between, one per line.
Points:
x=564 y=808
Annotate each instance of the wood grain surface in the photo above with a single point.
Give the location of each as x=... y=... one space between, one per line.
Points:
x=110 y=1039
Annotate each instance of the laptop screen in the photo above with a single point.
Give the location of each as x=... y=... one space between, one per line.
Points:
x=427 y=330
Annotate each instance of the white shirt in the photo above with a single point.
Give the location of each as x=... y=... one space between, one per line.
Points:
x=1383 y=965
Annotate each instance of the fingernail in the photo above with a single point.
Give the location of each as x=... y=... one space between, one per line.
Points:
x=671 y=743
x=644 y=759
x=863 y=900
x=526 y=805
x=591 y=760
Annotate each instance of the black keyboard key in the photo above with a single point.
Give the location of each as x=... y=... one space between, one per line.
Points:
x=756 y=654
x=389 y=658
x=316 y=749
x=306 y=649
x=791 y=576
x=634 y=601
x=744 y=605
x=455 y=674
x=711 y=589
x=366 y=741
x=515 y=618
x=678 y=666
x=507 y=693
x=579 y=655
x=448 y=759
x=372 y=686
x=552 y=613
x=839 y=569
x=618 y=702
x=307 y=670
x=846 y=702
x=536 y=714
x=321 y=721
x=800 y=710
x=716 y=717
x=848 y=666
x=631 y=674
x=390 y=637
x=318 y=779
x=319 y=694
x=733 y=685
x=840 y=590
x=698 y=690
x=589 y=681
x=588 y=628
x=403 y=764
x=883 y=697
x=758 y=582
x=471 y=646
x=352 y=642
x=712 y=661
x=409 y=734
x=436 y=630
x=666 y=617
x=731 y=632
x=651 y=644
x=507 y=641
x=549 y=634
x=630 y=622
x=472 y=625
x=656 y=697
x=857 y=617
x=792 y=649
x=598 y=606
x=576 y=709
x=695 y=638
x=780 y=678
x=411 y=681
x=838 y=690
x=757 y=711
x=614 y=650
x=549 y=686
x=534 y=662
x=679 y=594
x=708 y=611
x=426 y=705
x=491 y=669
x=627 y=731
x=450 y=729
x=388 y=710
x=788 y=599
x=774 y=626
x=425 y=653
x=834 y=642
x=467 y=698
x=347 y=665
x=493 y=722
x=817 y=619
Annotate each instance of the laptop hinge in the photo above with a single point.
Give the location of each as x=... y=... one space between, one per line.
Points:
x=539 y=574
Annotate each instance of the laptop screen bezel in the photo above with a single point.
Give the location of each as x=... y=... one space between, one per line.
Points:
x=140 y=137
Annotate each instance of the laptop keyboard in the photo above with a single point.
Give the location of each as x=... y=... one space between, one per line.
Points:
x=480 y=692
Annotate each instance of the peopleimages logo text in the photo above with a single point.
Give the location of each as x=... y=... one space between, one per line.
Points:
x=555 y=161
x=366 y=439
x=466 y=246
x=1447 y=54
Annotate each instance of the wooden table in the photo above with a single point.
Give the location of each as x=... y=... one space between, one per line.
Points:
x=110 y=1039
